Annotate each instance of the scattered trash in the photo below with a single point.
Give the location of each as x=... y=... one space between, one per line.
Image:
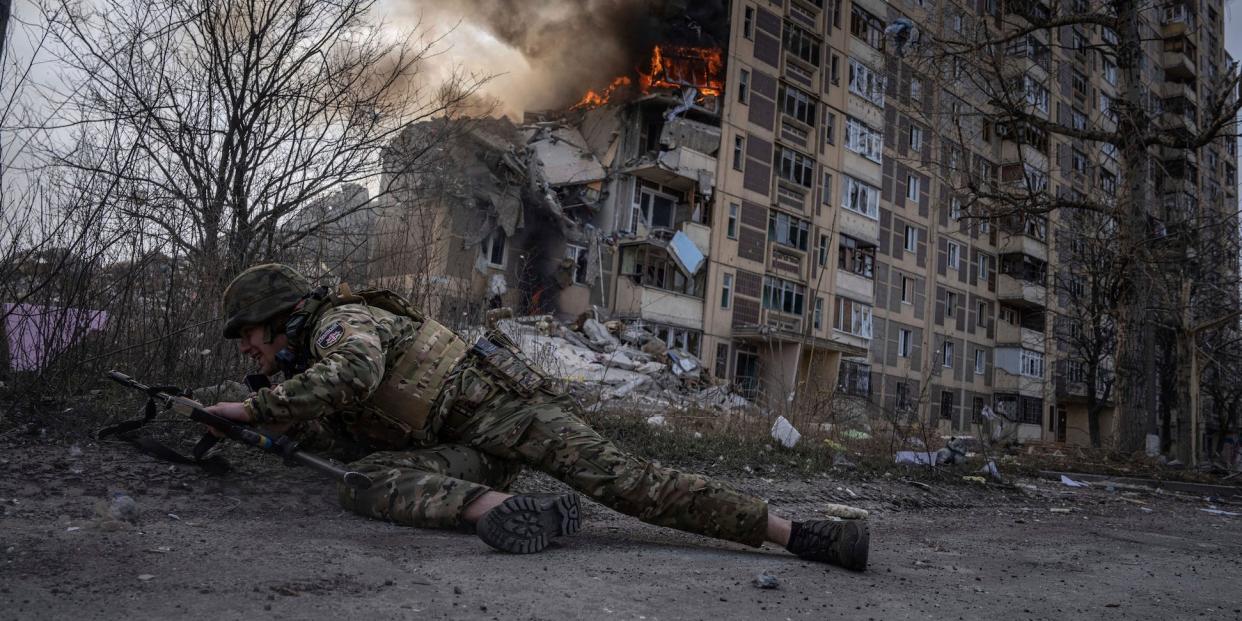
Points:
x=1068 y=482
x=1145 y=509
x=953 y=452
x=991 y=470
x=915 y=457
x=173 y=516
x=123 y=508
x=784 y=432
x=974 y=479
x=766 y=580
x=160 y=550
x=1215 y=511
x=1060 y=510
x=656 y=421
x=855 y=434
x=844 y=512
x=73 y=528
x=145 y=577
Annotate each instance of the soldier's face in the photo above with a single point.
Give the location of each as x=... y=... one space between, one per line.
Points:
x=253 y=344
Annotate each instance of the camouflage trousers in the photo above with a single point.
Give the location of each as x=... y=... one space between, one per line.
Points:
x=505 y=431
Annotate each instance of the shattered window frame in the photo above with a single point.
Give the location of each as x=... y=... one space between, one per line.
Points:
x=743 y=87
x=861 y=197
x=866 y=83
x=860 y=138
x=866 y=27
x=853 y=317
x=856 y=257
x=739 y=152
x=798 y=104
x=803 y=44
x=795 y=167
x=493 y=245
x=788 y=230
x=784 y=296
x=580 y=255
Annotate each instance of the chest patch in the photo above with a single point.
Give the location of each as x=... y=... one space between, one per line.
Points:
x=330 y=335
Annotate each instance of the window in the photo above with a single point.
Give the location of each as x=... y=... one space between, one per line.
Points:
x=863 y=140
x=830 y=128
x=835 y=70
x=946 y=404
x=649 y=266
x=798 y=104
x=722 y=360
x=1078 y=120
x=1110 y=72
x=956 y=23
x=856 y=258
x=912 y=238
x=866 y=83
x=739 y=146
x=983 y=267
x=823 y=250
x=902 y=397
x=731 y=224
x=657 y=208
x=1108 y=182
x=748 y=22
x=818 y=317
x=1078 y=82
x=802 y=43
x=783 y=295
x=954 y=254
x=826 y=189
x=955 y=209
x=1032 y=363
x=867 y=27
x=493 y=248
x=907 y=290
x=916 y=89
x=861 y=198
x=912 y=187
x=855 y=378
x=1036 y=94
x=678 y=338
x=743 y=87
x=950 y=304
x=578 y=254
x=946 y=355
x=787 y=230
x=981 y=314
x=795 y=167
x=853 y=318
x=904 y=340
x=985 y=226
x=726 y=290
x=1078 y=161
x=980 y=361
x=916 y=139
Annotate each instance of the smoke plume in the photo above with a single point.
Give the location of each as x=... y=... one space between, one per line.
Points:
x=573 y=45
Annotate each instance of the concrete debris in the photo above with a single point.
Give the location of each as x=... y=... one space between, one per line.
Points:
x=844 y=512
x=766 y=580
x=785 y=433
x=656 y=421
x=598 y=336
x=839 y=460
x=924 y=458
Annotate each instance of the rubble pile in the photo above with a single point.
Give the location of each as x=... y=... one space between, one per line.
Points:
x=619 y=362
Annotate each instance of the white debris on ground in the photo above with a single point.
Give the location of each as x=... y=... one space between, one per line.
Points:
x=619 y=364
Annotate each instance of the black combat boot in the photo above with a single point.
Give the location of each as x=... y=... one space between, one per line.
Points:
x=839 y=542
x=526 y=524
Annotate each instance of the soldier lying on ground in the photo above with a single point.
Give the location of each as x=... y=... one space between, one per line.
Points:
x=444 y=427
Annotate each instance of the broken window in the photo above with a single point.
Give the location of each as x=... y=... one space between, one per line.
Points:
x=722 y=360
x=953 y=250
x=980 y=361
x=678 y=338
x=902 y=398
x=855 y=378
x=783 y=295
x=867 y=27
x=950 y=304
x=656 y=207
x=823 y=250
x=853 y=317
x=907 y=290
x=863 y=140
x=650 y=266
x=577 y=254
x=946 y=404
x=904 y=342
x=862 y=198
x=818 y=317
x=802 y=44
x=493 y=248
x=796 y=167
x=912 y=238
x=739 y=147
x=856 y=257
x=726 y=291
x=748 y=22
x=746 y=372
x=1032 y=363
x=866 y=83
x=743 y=87
x=731 y=225
x=798 y=104
x=946 y=355
x=788 y=230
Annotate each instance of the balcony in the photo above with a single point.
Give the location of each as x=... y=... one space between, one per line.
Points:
x=1178 y=59
x=786 y=328
x=1022 y=293
x=1004 y=381
x=1012 y=334
x=1015 y=152
x=785 y=261
x=681 y=168
x=858 y=226
x=855 y=287
x=1029 y=11
x=1180 y=114
x=1021 y=242
x=1184 y=90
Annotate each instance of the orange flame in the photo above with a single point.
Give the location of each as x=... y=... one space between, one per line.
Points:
x=671 y=67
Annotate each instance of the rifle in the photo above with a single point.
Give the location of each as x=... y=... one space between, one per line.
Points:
x=238 y=432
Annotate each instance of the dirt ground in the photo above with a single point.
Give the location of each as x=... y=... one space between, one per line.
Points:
x=270 y=542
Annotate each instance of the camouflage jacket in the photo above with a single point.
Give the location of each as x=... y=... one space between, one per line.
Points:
x=352 y=346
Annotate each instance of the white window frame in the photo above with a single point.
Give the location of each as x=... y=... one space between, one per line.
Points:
x=916 y=89
x=488 y=247
x=980 y=361
x=574 y=251
x=907 y=299
x=867 y=83
x=818 y=317
x=1032 y=363
x=983 y=267
x=860 y=198
x=955 y=209
x=904 y=342
x=731 y=228
x=916 y=138
x=743 y=87
x=863 y=140
x=913 y=184
x=950 y=304
x=859 y=323
x=912 y=239
x=953 y=255
x=946 y=355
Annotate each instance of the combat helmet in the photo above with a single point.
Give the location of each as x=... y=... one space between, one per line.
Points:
x=259 y=294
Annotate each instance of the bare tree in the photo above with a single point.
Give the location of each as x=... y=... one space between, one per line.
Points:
x=1124 y=151
x=236 y=113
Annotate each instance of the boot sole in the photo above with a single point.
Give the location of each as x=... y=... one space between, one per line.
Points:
x=527 y=524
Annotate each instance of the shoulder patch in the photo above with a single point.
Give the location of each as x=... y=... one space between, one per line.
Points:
x=330 y=335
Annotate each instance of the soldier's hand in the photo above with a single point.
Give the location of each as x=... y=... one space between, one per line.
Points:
x=232 y=410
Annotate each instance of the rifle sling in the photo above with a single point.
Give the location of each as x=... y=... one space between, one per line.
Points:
x=215 y=464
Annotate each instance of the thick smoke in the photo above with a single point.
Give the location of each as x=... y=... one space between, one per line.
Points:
x=574 y=45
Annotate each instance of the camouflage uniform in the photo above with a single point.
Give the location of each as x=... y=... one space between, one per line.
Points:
x=482 y=429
